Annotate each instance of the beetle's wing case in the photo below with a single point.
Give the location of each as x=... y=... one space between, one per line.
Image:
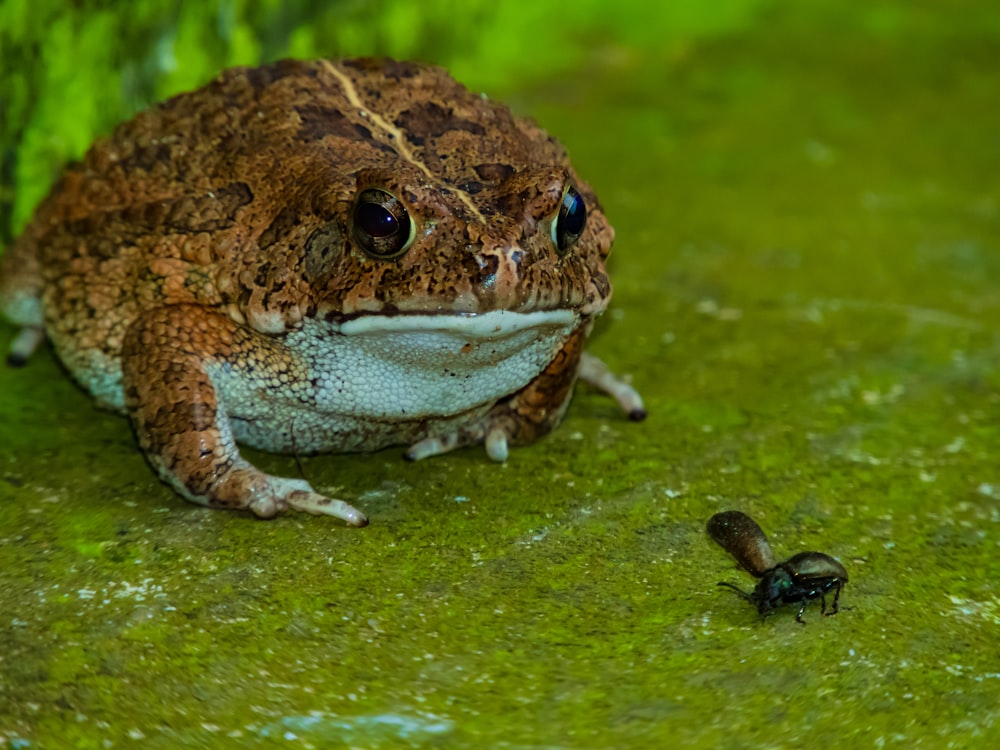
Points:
x=741 y=537
x=815 y=565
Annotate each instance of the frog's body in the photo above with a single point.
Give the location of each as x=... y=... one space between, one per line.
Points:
x=318 y=257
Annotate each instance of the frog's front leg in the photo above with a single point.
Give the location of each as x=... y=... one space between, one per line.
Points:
x=181 y=420
x=538 y=408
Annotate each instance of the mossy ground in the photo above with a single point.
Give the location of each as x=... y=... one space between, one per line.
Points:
x=806 y=275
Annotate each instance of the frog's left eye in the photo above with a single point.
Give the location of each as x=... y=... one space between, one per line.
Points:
x=381 y=225
x=569 y=224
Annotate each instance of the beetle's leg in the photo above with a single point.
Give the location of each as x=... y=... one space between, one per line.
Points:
x=798 y=617
x=836 y=600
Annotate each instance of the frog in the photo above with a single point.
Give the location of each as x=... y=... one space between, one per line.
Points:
x=318 y=256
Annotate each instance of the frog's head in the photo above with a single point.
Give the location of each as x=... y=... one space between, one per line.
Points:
x=528 y=240
x=419 y=226
x=483 y=281
x=451 y=204
x=415 y=197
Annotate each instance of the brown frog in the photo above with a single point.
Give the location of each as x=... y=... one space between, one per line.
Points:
x=318 y=256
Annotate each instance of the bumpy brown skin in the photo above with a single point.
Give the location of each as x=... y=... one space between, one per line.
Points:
x=208 y=228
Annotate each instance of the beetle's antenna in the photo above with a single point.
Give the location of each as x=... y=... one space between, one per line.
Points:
x=737 y=589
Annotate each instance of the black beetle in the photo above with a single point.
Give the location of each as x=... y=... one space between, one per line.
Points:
x=800 y=578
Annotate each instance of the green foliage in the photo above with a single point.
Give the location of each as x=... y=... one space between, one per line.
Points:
x=71 y=72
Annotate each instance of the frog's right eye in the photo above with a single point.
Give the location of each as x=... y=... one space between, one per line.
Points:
x=381 y=225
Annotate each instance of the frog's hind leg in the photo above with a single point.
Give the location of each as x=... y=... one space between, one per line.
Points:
x=20 y=298
x=181 y=421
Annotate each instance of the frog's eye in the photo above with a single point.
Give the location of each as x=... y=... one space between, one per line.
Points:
x=569 y=224
x=381 y=225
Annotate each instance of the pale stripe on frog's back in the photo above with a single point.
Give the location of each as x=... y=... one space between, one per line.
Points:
x=395 y=135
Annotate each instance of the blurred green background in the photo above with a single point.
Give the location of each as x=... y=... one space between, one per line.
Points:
x=806 y=276
x=73 y=71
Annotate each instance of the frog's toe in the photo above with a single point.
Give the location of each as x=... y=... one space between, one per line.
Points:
x=433 y=446
x=24 y=344
x=264 y=495
x=319 y=505
x=495 y=438
x=238 y=488
x=496 y=444
x=279 y=494
x=594 y=372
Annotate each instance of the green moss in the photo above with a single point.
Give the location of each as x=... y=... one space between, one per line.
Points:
x=805 y=276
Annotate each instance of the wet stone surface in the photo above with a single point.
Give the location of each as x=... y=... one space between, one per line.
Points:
x=805 y=292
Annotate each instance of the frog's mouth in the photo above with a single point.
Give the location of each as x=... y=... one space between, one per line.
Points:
x=419 y=365
x=496 y=324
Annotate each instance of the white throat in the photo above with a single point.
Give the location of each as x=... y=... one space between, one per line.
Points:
x=418 y=366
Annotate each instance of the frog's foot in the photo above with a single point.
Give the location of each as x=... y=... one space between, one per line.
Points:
x=26 y=341
x=183 y=427
x=594 y=372
x=433 y=446
x=21 y=296
x=266 y=496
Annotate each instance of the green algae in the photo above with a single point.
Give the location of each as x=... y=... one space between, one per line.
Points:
x=806 y=274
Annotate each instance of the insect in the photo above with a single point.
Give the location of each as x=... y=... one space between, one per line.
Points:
x=802 y=577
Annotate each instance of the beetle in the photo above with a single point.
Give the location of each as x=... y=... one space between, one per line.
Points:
x=805 y=576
